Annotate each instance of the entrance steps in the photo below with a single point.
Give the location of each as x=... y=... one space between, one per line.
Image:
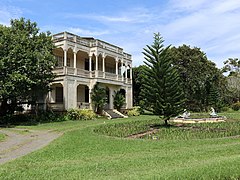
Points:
x=113 y=114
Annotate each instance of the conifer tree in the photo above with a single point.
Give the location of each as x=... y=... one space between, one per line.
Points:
x=162 y=89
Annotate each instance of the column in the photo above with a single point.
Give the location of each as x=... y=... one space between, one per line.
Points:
x=122 y=70
x=103 y=67
x=116 y=61
x=131 y=73
x=65 y=94
x=126 y=73
x=65 y=57
x=110 y=98
x=96 y=72
x=74 y=59
x=75 y=62
x=90 y=66
x=90 y=100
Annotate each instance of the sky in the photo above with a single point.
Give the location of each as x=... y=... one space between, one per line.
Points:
x=213 y=26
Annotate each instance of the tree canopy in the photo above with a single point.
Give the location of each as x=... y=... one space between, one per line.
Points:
x=162 y=89
x=232 y=65
x=26 y=63
x=203 y=83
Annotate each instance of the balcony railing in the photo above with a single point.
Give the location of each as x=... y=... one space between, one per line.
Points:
x=60 y=71
x=89 y=43
x=83 y=105
x=56 y=106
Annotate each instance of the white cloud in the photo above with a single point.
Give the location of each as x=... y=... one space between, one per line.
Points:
x=214 y=27
x=86 y=32
x=135 y=15
x=7 y=13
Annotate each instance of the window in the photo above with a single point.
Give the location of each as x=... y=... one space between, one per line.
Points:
x=59 y=94
x=59 y=61
x=68 y=62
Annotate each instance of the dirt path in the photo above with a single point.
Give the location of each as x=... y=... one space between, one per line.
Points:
x=21 y=142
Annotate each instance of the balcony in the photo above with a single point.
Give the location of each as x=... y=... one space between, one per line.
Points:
x=60 y=71
x=89 y=42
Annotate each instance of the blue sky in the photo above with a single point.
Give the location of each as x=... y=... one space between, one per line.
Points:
x=214 y=25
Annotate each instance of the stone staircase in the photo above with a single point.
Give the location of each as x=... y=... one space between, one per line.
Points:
x=113 y=114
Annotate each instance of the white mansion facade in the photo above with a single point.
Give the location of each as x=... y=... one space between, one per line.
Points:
x=82 y=62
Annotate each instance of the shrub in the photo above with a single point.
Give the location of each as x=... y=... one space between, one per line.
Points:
x=226 y=109
x=134 y=112
x=236 y=106
x=81 y=114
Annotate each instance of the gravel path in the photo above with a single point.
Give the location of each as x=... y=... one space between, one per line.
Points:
x=20 y=142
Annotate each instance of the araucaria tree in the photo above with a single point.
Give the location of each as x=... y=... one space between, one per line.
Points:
x=161 y=88
x=26 y=63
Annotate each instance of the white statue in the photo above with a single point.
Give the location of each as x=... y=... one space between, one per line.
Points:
x=185 y=114
x=213 y=113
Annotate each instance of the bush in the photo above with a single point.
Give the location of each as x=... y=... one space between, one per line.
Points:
x=32 y=119
x=81 y=114
x=226 y=109
x=236 y=106
x=134 y=112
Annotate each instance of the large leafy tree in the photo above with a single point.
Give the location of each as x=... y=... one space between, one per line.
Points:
x=232 y=66
x=199 y=76
x=26 y=63
x=162 y=90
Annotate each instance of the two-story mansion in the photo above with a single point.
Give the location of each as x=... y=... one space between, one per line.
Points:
x=81 y=63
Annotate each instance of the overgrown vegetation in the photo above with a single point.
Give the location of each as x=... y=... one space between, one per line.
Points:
x=80 y=114
x=135 y=111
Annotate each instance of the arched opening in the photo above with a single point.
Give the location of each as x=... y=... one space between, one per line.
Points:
x=82 y=60
x=70 y=57
x=123 y=92
x=56 y=98
x=108 y=98
x=59 y=55
x=82 y=96
x=56 y=93
x=110 y=65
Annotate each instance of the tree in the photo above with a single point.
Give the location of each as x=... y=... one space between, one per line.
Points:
x=138 y=80
x=232 y=65
x=198 y=75
x=118 y=100
x=161 y=88
x=99 y=98
x=26 y=63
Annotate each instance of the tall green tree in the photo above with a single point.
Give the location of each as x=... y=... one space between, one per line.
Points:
x=161 y=88
x=26 y=63
x=198 y=75
x=99 y=98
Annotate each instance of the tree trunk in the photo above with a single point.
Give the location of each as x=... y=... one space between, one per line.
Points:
x=166 y=121
x=3 y=108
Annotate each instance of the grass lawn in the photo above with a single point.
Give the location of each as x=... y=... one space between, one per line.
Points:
x=84 y=152
x=2 y=137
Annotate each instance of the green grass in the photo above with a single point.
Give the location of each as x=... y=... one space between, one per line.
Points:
x=2 y=137
x=82 y=153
